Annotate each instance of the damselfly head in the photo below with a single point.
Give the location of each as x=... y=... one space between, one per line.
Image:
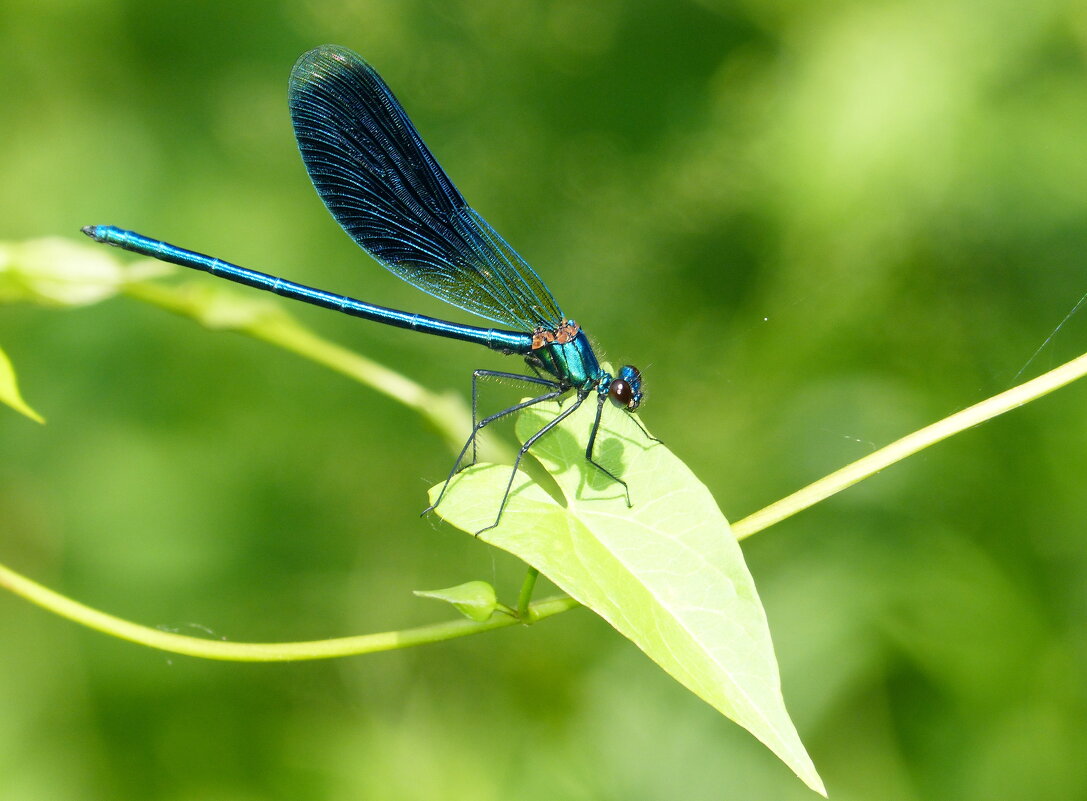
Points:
x=626 y=388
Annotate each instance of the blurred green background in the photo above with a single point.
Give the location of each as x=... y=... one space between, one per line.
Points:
x=815 y=227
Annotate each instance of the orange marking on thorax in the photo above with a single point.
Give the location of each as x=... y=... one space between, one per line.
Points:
x=566 y=332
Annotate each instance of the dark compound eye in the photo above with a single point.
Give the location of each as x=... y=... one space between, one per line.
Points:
x=626 y=388
x=621 y=392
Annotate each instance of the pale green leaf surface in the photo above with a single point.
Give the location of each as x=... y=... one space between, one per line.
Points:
x=60 y=272
x=476 y=600
x=668 y=573
x=9 y=390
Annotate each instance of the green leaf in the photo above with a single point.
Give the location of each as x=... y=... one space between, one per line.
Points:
x=668 y=573
x=9 y=390
x=59 y=272
x=474 y=599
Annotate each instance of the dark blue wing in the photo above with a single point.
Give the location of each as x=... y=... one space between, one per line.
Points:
x=384 y=187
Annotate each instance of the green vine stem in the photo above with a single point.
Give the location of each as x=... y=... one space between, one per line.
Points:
x=446 y=412
x=384 y=641
x=265 y=652
x=909 y=445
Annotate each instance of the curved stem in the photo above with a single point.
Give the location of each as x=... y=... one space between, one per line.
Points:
x=265 y=652
x=446 y=412
x=287 y=334
x=909 y=445
x=384 y=641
